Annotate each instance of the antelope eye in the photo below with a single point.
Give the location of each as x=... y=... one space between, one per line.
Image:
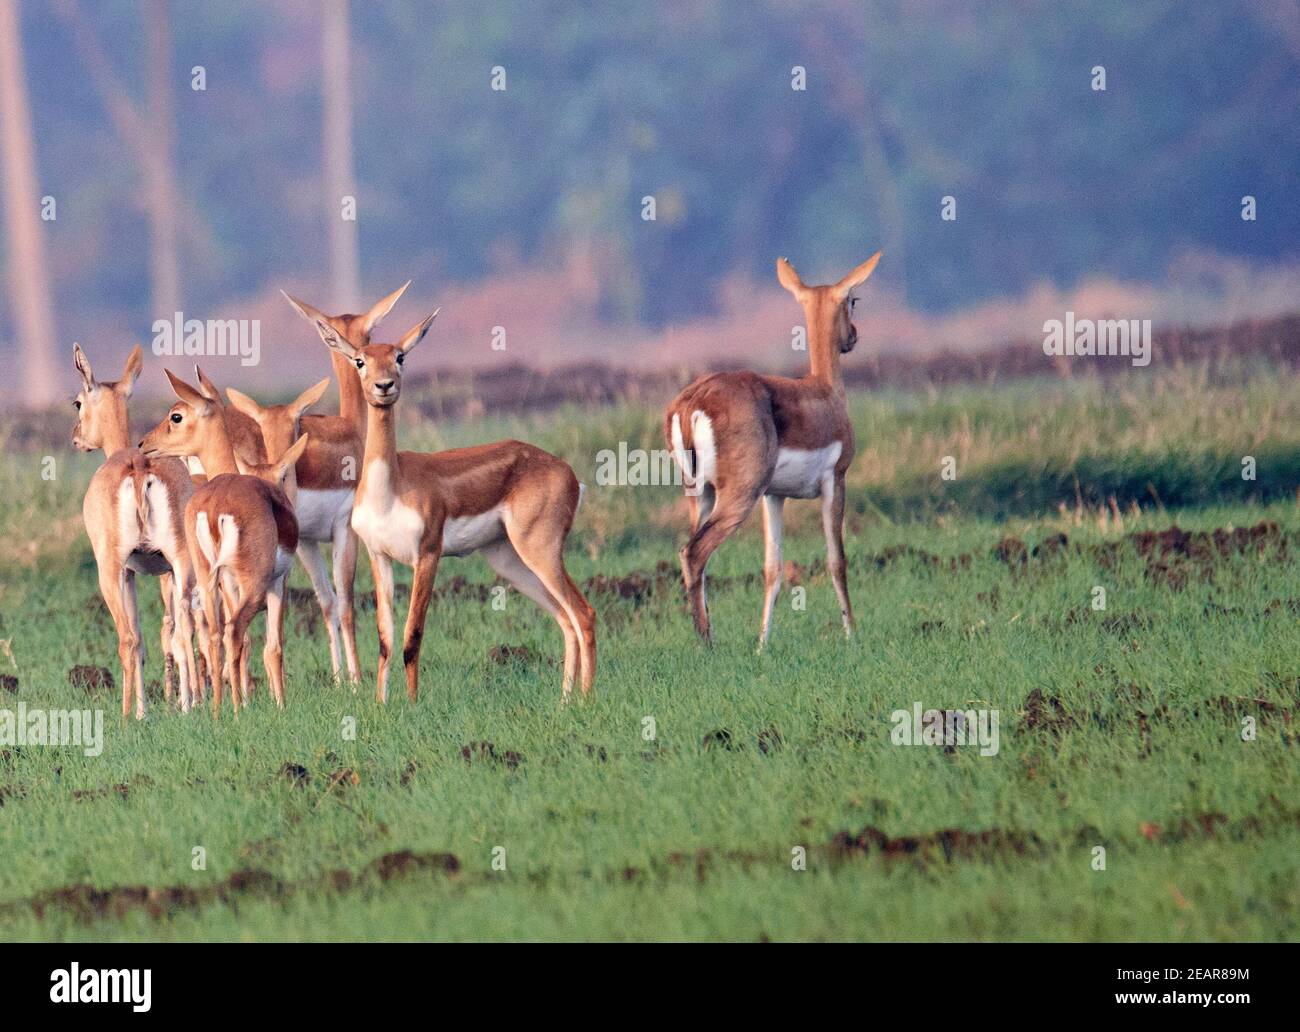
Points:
x=400 y=358
x=853 y=303
x=77 y=404
x=176 y=417
x=361 y=363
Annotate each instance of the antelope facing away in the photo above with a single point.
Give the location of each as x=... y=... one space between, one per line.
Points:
x=327 y=479
x=511 y=501
x=242 y=537
x=741 y=436
x=133 y=511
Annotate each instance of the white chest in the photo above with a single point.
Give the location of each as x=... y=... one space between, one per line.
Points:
x=384 y=522
x=800 y=472
x=319 y=512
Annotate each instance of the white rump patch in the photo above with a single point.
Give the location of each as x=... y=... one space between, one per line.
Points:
x=800 y=472
x=706 y=448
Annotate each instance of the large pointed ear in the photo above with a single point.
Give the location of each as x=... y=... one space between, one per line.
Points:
x=304 y=309
x=307 y=398
x=415 y=335
x=788 y=278
x=857 y=277
x=241 y=402
x=131 y=372
x=207 y=388
x=291 y=456
x=382 y=308
x=82 y=363
x=334 y=340
x=187 y=393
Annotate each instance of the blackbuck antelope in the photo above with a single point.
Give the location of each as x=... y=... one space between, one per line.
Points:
x=511 y=501
x=242 y=537
x=327 y=479
x=739 y=437
x=133 y=511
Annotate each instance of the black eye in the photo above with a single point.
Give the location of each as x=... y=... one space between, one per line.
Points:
x=77 y=404
x=361 y=363
x=176 y=417
x=853 y=303
x=400 y=357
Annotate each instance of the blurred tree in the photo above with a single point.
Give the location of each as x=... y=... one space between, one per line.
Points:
x=29 y=288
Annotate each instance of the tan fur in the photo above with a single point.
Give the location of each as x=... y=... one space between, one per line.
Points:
x=258 y=513
x=334 y=450
x=513 y=502
x=754 y=422
x=153 y=541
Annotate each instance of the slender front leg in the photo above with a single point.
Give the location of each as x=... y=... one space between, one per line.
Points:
x=426 y=569
x=381 y=568
x=833 y=525
x=773 y=523
x=345 y=572
x=273 y=652
x=167 y=635
x=318 y=573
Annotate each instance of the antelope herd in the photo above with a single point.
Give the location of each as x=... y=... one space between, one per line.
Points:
x=218 y=498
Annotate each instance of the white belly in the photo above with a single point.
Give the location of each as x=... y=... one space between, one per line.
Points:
x=319 y=512
x=466 y=534
x=799 y=472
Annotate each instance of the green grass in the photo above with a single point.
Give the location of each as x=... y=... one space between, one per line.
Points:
x=607 y=835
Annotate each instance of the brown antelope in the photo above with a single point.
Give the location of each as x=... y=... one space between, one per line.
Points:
x=741 y=436
x=511 y=501
x=133 y=511
x=242 y=537
x=327 y=481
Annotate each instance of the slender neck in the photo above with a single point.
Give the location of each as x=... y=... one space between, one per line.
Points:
x=117 y=433
x=823 y=354
x=381 y=438
x=216 y=452
x=352 y=399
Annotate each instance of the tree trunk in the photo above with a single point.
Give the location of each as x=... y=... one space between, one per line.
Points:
x=160 y=163
x=337 y=154
x=28 y=278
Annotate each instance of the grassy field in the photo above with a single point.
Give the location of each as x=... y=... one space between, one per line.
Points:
x=1120 y=728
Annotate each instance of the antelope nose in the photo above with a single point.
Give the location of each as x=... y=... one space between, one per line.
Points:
x=385 y=386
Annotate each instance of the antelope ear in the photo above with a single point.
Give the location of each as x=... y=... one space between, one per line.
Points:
x=382 y=308
x=243 y=403
x=788 y=278
x=415 y=335
x=857 y=277
x=207 y=387
x=131 y=372
x=82 y=363
x=308 y=398
x=304 y=309
x=333 y=339
x=187 y=393
x=290 y=458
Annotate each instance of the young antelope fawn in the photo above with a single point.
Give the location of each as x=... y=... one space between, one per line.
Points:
x=327 y=481
x=511 y=501
x=739 y=437
x=133 y=512
x=242 y=537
